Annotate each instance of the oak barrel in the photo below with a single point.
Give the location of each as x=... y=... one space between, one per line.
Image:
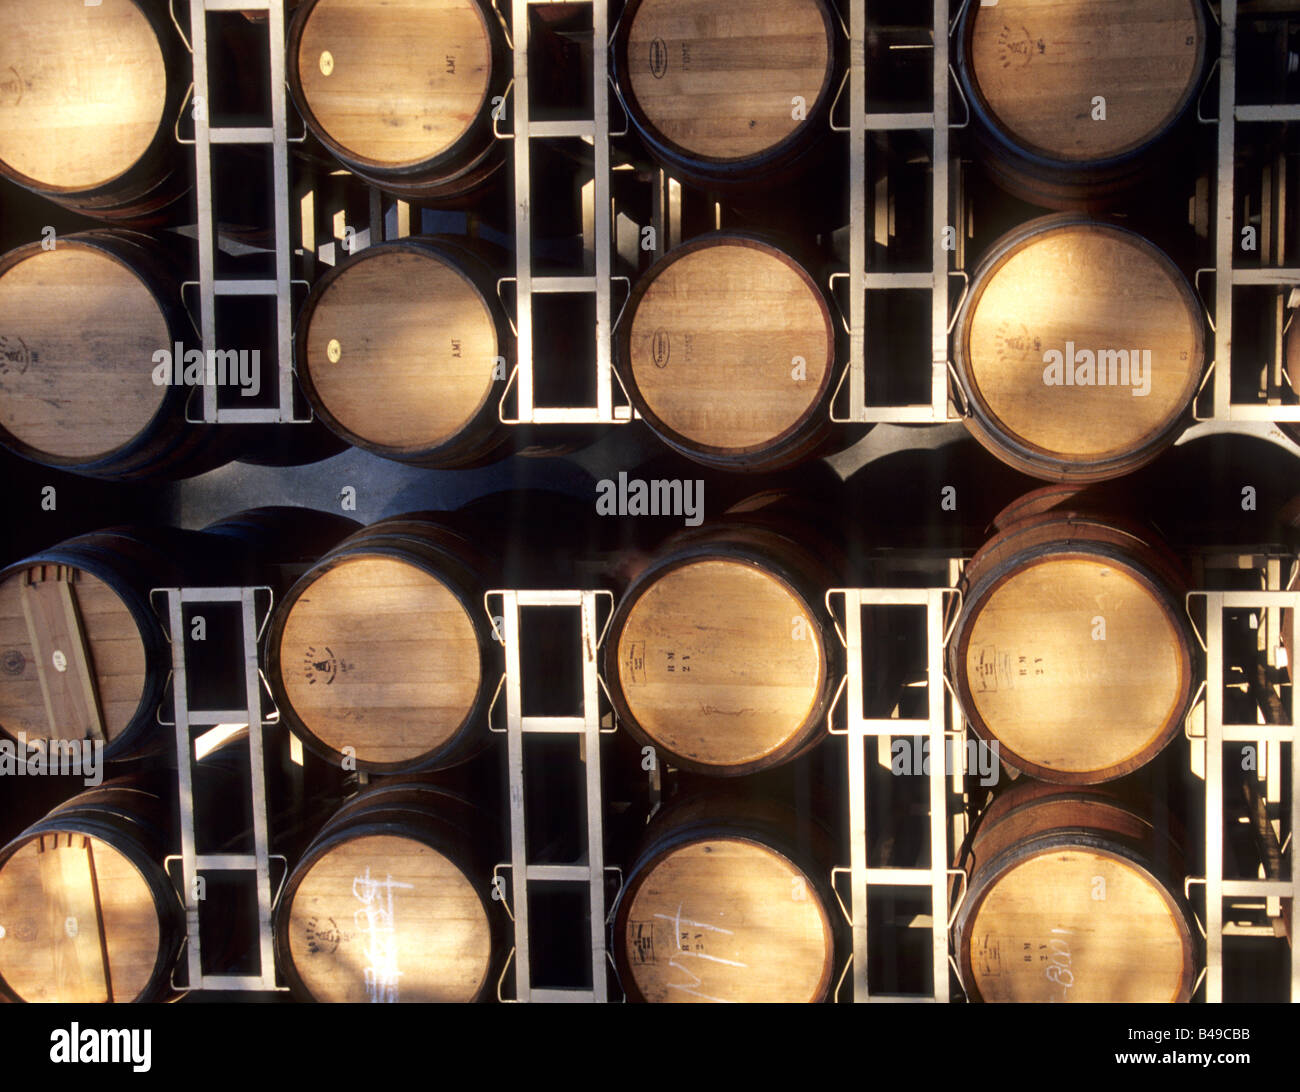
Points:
x=729 y=95
x=403 y=95
x=1079 y=350
x=86 y=911
x=722 y=654
x=727 y=901
x=384 y=647
x=81 y=325
x=727 y=350
x=88 y=97
x=1074 y=895
x=391 y=902
x=82 y=654
x=1073 y=653
x=403 y=351
x=1033 y=72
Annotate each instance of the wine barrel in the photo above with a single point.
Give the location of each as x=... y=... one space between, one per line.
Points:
x=88 y=97
x=402 y=351
x=84 y=604
x=1033 y=74
x=722 y=654
x=727 y=350
x=403 y=96
x=384 y=647
x=87 y=912
x=1073 y=654
x=727 y=901
x=1079 y=349
x=391 y=902
x=1074 y=895
x=731 y=95
x=78 y=391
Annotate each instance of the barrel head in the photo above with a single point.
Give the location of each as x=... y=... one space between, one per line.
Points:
x=731 y=347
x=401 y=351
x=395 y=86
x=82 y=90
x=725 y=919
x=387 y=918
x=379 y=655
x=1040 y=67
x=80 y=921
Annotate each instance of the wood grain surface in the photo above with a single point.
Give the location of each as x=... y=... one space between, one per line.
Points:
x=719 y=80
x=714 y=341
x=1040 y=63
x=82 y=89
x=1101 y=289
x=79 y=922
x=1051 y=692
x=727 y=919
x=380 y=656
x=116 y=652
x=1043 y=934
x=79 y=330
x=396 y=83
x=401 y=349
x=720 y=662
x=387 y=918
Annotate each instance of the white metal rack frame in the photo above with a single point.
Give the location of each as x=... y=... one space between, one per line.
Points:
x=192 y=862
x=597 y=231
x=1267 y=739
x=506 y=625
x=861 y=281
x=1241 y=416
x=947 y=885
x=1226 y=275
x=937 y=876
x=274 y=136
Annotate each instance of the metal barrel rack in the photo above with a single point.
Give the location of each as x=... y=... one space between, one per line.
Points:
x=1227 y=275
x=1276 y=727
x=937 y=876
x=936 y=121
x=526 y=876
x=275 y=136
x=193 y=863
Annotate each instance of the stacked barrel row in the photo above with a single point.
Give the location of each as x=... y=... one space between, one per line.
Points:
x=727 y=347
x=1072 y=657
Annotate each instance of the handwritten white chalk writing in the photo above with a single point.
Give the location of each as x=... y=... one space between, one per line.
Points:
x=682 y=953
x=374 y=921
x=1058 y=965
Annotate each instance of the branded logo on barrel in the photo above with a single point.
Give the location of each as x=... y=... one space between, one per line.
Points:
x=15 y=357
x=660 y=348
x=658 y=58
x=321 y=665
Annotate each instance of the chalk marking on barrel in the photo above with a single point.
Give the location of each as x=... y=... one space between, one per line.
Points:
x=692 y=987
x=376 y=925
